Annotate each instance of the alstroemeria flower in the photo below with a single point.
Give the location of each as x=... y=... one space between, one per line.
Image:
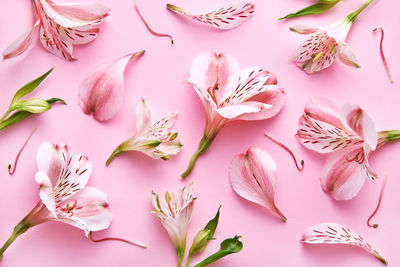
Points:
x=333 y=233
x=102 y=91
x=229 y=94
x=60 y=27
x=350 y=136
x=64 y=196
x=175 y=211
x=319 y=51
x=225 y=18
x=154 y=139
x=253 y=177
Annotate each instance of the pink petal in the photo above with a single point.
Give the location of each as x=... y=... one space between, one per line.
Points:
x=89 y=210
x=22 y=43
x=144 y=114
x=341 y=176
x=347 y=55
x=305 y=28
x=82 y=11
x=49 y=160
x=253 y=177
x=102 y=90
x=226 y=18
x=46 y=192
x=323 y=109
x=333 y=233
x=55 y=44
x=254 y=110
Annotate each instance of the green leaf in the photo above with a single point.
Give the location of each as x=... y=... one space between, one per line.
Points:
x=29 y=87
x=313 y=9
x=228 y=246
x=212 y=225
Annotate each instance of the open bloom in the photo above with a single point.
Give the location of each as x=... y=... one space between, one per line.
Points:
x=253 y=177
x=101 y=92
x=64 y=197
x=319 y=51
x=60 y=27
x=175 y=211
x=153 y=139
x=350 y=136
x=229 y=94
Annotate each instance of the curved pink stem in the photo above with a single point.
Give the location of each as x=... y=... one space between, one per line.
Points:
x=288 y=150
x=133 y=243
x=375 y=225
x=148 y=27
x=11 y=172
x=383 y=55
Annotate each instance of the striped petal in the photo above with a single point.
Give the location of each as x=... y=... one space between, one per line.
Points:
x=226 y=18
x=333 y=233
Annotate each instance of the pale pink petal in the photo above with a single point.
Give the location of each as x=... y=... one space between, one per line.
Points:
x=305 y=28
x=144 y=114
x=253 y=177
x=87 y=210
x=46 y=192
x=102 y=91
x=226 y=18
x=347 y=55
x=333 y=233
x=253 y=109
x=22 y=43
x=170 y=148
x=161 y=128
x=361 y=123
x=82 y=11
x=323 y=109
x=55 y=44
x=342 y=176
x=50 y=160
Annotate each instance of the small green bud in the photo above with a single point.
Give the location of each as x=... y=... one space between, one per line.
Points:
x=35 y=105
x=200 y=241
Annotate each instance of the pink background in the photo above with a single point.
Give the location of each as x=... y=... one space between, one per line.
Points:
x=158 y=76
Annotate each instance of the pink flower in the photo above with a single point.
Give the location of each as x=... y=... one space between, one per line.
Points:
x=175 y=211
x=333 y=233
x=225 y=18
x=154 y=139
x=229 y=94
x=253 y=177
x=60 y=27
x=102 y=91
x=64 y=196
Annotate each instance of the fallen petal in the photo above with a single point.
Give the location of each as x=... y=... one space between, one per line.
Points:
x=22 y=43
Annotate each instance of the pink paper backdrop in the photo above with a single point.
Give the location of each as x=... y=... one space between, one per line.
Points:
x=159 y=76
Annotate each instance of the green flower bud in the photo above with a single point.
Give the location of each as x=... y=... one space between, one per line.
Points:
x=35 y=105
x=200 y=241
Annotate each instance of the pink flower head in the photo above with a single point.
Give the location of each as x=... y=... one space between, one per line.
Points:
x=349 y=134
x=229 y=94
x=155 y=139
x=225 y=18
x=102 y=91
x=319 y=51
x=253 y=177
x=333 y=233
x=175 y=211
x=60 y=27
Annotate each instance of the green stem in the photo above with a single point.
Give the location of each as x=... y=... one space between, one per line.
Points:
x=203 y=146
x=189 y=259
x=21 y=228
x=385 y=137
x=180 y=252
x=5 y=116
x=352 y=16
x=116 y=152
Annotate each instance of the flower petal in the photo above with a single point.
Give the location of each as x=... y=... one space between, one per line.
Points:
x=82 y=11
x=46 y=192
x=102 y=90
x=54 y=43
x=161 y=128
x=347 y=55
x=342 y=177
x=305 y=28
x=22 y=43
x=226 y=18
x=333 y=233
x=253 y=108
x=49 y=160
x=87 y=210
x=144 y=114
x=253 y=177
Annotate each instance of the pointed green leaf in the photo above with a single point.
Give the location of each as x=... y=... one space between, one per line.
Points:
x=228 y=246
x=29 y=87
x=313 y=9
x=212 y=225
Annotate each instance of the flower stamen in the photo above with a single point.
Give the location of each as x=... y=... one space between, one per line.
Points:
x=375 y=225
x=11 y=172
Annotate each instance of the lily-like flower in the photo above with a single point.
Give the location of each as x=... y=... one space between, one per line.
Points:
x=350 y=136
x=154 y=139
x=102 y=91
x=60 y=27
x=253 y=177
x=64 y=196
x=229 y=94
x=333 y=233
x=319 y=51
x=175 y=211
x=225 y=18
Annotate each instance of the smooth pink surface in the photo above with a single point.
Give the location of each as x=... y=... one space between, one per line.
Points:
x=159 y=76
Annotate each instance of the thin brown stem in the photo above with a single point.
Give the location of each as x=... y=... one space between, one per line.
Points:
x=288 y=150
x=375 y=225
x=148 y=27
x=12 y=170
x=383 y=55
x=133 y=243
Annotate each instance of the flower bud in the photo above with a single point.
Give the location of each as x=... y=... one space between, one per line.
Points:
x=35 y=105
x=200 y=241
